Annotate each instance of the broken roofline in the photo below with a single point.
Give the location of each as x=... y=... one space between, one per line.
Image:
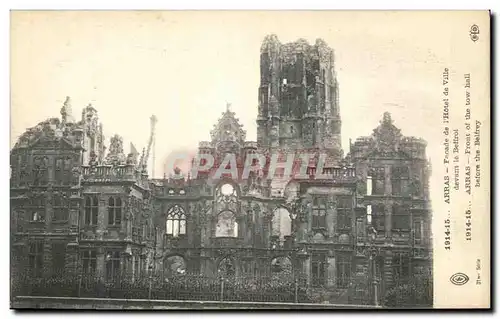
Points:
x=297 y=166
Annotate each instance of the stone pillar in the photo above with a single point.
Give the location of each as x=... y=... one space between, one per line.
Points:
x=126 y=269
x=48 y=209
x=102 y=216
x=387 y=182
x=388 y=220
x=331 y=218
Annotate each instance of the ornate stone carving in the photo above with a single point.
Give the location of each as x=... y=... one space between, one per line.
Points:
x=386 y=137
x=115 y=155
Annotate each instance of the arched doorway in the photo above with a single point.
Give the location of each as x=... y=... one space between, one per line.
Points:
x=174 y=266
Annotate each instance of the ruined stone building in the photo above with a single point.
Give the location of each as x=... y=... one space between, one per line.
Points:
x=78 y=206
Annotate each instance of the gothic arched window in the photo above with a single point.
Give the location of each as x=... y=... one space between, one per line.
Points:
x=176 y=221
x=91 y=209
x=226 y=193
x=226 y=225
x=114 y=211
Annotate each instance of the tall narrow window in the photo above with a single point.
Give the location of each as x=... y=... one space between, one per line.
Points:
x=89 y=261
x=369 y=214
x=176 y=221
x=378 y=217
x=91 y=210
x=318 y=269
x=344 y=211
x=112 y=265
x=319 y=213
x=35 y=258
x=417 y=232
x=58 y=257
x=399 y=180
x=378 y=180
x=343 y=271
x=137 y=266
x=114 y=211
x=67 y=171
x=369 y=185
x=58 y=172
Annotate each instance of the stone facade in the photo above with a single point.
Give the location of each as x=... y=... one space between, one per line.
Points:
x=77 y=208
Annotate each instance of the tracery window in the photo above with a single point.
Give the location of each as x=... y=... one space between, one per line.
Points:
x=226 y=193
x=176 y=221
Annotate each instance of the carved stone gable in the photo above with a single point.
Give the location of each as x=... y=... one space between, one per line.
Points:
x=228 y=130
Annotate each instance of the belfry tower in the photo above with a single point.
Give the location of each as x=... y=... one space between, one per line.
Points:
x=298 y=97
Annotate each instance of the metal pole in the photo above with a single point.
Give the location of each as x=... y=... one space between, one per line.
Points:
x=375 y=290
x=296 y=290
x=150 y=282
x=222 y=289
x=79 y=284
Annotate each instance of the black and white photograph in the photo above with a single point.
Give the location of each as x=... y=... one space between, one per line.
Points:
x=249 y=160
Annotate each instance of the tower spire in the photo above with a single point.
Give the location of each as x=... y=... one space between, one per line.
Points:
x=228 y=106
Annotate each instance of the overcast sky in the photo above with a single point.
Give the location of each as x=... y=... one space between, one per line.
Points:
x=184 y=66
